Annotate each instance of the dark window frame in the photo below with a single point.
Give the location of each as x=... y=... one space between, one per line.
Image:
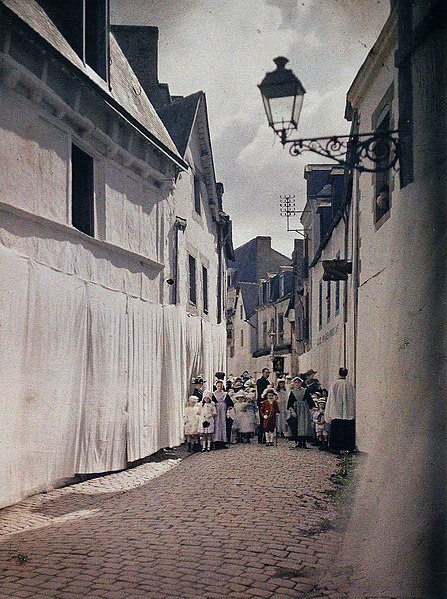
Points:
x=280 y=328
x=320 y=304
x=192 y=277
x=328 y=300
x=382 y=120
x=82 y=191
x=85 y=24
x=205 y=289
x=337 y=292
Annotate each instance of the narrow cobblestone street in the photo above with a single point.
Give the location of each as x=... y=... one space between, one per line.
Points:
x=247 y=522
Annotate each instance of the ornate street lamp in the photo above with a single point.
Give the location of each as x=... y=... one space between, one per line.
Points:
x=283 y=94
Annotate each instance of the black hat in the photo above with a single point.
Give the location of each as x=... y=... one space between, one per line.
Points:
x=220 y=375
x=198 y=380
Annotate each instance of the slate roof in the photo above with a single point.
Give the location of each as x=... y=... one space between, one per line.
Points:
x=178 y=118
x=124 y=87
x=249 y=293
x=251 y=265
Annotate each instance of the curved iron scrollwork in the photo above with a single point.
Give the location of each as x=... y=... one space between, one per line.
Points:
x=367 y=152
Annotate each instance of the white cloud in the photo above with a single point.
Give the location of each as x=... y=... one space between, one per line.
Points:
x=224 y=47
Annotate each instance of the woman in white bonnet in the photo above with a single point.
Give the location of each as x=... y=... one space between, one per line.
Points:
x=282 y=428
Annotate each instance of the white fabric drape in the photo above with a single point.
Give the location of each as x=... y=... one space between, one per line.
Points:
x=13 y=318
x=194 y=353
x=92 y=378
x=43 y=344
x=144 y=378
x=174 y=376
x=102 y=445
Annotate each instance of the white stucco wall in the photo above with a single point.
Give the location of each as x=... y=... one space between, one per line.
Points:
x=242 y=359
x=326 y=355
x=397 y=530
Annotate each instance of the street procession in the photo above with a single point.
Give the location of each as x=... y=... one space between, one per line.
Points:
x=222 y=299
x=297 y=409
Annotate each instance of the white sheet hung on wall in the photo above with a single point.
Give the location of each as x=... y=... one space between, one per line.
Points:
x=94 y=378
x=145 y=386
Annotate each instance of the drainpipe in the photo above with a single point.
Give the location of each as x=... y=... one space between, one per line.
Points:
x=179 y=225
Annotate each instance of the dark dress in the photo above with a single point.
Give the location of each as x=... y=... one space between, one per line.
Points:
x=222 y=424
x=270 y=410
x=261 y=385
x=301 y=424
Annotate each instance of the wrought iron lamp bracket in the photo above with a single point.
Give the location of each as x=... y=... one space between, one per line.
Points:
x=366 y=152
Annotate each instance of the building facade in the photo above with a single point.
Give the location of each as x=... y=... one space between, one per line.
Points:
x=322 y=319
x=394 y=335
x=259 y=295
x=97 y=350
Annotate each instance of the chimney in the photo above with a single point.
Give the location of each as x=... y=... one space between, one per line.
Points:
x=140 y=46
x=298 y=249
x=263 y=257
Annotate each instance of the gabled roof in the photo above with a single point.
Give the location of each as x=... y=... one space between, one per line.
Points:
x=252 y=263
x=123 y=91
x=178 y=118
x=249 y=293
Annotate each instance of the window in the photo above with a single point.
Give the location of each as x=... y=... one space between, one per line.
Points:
x=328 y=301
x=272 y=325
x=85 y=26
x=281 y=285
x=264 y=333
x=205 y=289
x=306 y=257
x=306 y=317
x=242 y=338
x=197 y=207
x=242 y=312
x=382 y=180
x=264 y=293
x=192 y=280
x=320 y=305
x=337 y=292
x=231 y=351
x=281 y=328
x=82 y=191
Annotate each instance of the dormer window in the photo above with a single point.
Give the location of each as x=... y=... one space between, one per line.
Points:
x=281 y=285
x=85 y=26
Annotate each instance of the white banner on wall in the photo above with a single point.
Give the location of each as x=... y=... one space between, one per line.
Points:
x=92 y=378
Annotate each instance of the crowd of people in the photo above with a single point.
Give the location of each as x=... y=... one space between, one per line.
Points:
x=240 y=409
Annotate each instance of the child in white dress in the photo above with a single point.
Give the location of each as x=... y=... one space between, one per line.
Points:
x=207 y=412
x=239 y=400
x=191 y=421
x=320 y=422
x=249 y=418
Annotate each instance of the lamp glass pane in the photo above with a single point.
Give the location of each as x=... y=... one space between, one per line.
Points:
x=268 y=111
x=297 y=110
x=282 y=111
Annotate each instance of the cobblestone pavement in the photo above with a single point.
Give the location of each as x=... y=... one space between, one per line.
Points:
x=251 y=521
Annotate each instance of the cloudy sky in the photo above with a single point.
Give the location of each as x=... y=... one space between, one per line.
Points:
x=224 y=47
